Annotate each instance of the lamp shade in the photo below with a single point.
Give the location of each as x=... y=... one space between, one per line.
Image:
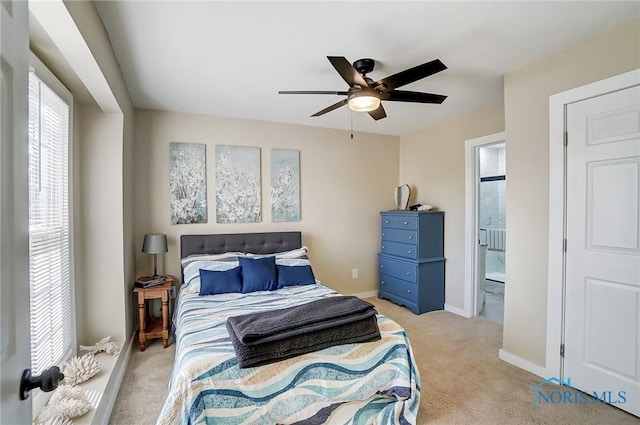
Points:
x=155 y=243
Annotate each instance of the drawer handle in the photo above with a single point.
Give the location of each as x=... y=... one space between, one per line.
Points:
x=382 y=266
x=386 y=221
x=408 y=291
x=408 y=273
x=384 y=234
x=406 y=222
x=382 y=246
x=382 y=283
x=408 y=252
x=410 y=237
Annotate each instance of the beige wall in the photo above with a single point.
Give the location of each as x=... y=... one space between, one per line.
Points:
x=432 y=163
x=344 y=184
x=102 y=301
x=527 y=92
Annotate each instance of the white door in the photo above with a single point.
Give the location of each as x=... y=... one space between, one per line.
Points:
x=602 y=310
x=14 y=213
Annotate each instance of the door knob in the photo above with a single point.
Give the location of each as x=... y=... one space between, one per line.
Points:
x=47 y=381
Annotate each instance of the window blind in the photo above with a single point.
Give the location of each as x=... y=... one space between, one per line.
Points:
x=50 y=272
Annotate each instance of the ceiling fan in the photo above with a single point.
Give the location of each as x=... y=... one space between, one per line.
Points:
x=364 y=94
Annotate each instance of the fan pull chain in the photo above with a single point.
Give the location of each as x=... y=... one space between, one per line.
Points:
x=351 y=116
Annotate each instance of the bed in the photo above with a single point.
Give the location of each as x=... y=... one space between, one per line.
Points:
x=362 y=383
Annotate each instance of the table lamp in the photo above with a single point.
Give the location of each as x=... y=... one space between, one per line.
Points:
x=155 y=243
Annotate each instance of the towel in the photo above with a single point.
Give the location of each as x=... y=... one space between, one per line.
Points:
x=270 y=336
x=257 y=328
x=364 y=330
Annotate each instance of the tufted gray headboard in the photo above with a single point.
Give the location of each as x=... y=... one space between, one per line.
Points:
x=255 y=243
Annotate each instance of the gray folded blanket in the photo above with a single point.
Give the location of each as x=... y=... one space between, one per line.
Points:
x=266 y=337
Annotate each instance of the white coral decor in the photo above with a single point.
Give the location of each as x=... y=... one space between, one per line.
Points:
x=80 y=369
x=105 y=344
x=65 y=403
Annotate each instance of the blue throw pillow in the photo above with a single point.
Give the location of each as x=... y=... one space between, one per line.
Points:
x=295 y=275
x=220 y=282
x=258 y=274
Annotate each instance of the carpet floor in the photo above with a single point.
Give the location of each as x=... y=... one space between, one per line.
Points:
x=463 y=381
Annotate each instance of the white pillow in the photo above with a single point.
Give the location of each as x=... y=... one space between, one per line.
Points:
x=192 y=264
x=210 y=257
x=294 y=253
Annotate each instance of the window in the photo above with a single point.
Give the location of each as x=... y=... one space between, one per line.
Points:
x=50 y=250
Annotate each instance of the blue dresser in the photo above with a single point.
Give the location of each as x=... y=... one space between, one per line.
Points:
x=411 y=259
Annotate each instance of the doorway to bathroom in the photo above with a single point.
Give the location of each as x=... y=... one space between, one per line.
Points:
x=491 y=231
x=485 y=227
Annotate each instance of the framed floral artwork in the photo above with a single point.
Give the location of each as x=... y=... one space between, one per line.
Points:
x=238 y=196
x=187 y=183
x=285 y=185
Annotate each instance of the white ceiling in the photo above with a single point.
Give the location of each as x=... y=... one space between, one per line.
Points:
x=231 y=58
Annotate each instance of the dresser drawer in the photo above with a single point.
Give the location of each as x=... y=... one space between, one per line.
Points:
x=399 y=235
x=400 y=221
x=399 y=249
x=400 y=288
x=399 y=269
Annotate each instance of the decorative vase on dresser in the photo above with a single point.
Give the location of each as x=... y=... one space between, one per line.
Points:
x=411 y=259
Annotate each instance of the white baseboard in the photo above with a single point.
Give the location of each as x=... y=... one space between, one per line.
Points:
x=455 y=310
x=369 y=294
x=523 y=364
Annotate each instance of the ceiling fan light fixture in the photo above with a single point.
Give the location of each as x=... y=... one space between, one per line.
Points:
x=363 y=101
x=364 y=94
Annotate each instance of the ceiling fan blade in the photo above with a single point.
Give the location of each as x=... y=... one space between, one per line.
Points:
x=409 y=75
x=339 y=93
x=412 y=96
x=347 y=71
x=378 y=114
x=330 y=108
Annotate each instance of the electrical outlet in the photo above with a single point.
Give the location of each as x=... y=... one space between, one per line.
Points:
x=172 y=292
x=354 y=273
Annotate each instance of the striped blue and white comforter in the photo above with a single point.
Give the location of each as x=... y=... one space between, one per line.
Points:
x=367 y=383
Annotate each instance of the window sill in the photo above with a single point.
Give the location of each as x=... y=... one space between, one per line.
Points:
x=102 y=389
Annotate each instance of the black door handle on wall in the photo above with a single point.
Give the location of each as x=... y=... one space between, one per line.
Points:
x=47 y=381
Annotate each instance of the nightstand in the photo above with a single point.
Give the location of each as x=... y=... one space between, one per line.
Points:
x=154 y=327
